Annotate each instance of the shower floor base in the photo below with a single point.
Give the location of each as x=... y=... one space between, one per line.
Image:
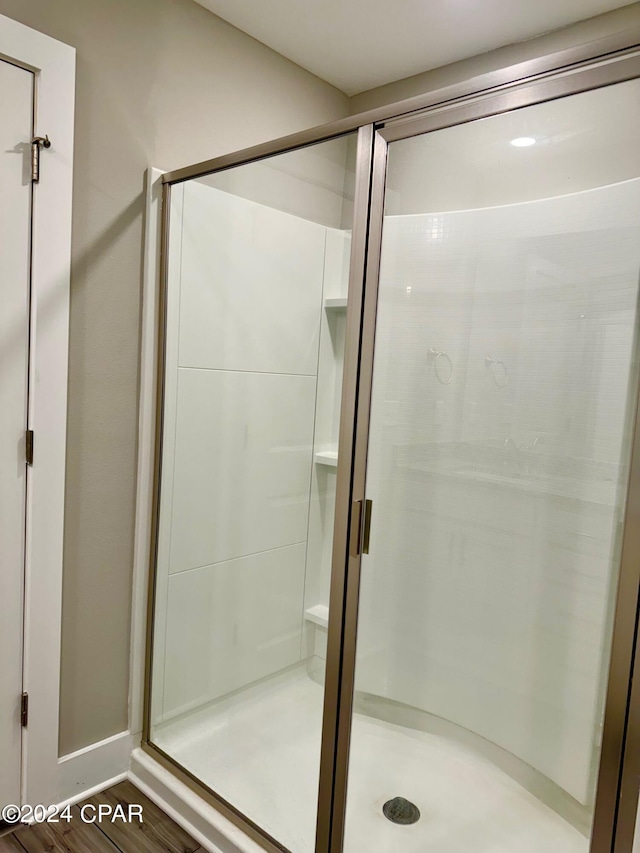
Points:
x=260 y=751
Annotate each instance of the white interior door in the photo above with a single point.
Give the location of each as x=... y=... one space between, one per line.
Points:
x=16 y=97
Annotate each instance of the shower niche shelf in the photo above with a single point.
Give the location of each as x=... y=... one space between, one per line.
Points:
x=332 y=305
x=326 y=457
x=335 y=304
x=318 y=614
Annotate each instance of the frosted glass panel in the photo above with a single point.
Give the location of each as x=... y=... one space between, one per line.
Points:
x=258 y=267
x=497 y=468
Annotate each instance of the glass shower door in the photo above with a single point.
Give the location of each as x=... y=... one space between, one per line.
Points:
x=255 y=311
x=504 y=387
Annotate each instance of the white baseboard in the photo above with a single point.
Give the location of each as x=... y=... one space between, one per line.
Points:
x=96 y=767
x=100 y=765
x=205 y=824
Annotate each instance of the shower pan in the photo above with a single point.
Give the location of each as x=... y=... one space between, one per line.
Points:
x=395 y=555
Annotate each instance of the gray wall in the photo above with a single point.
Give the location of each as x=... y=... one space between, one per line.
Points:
x=577 y=34
x=164 y=83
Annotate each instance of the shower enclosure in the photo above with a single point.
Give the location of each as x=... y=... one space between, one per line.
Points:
x=396 y=560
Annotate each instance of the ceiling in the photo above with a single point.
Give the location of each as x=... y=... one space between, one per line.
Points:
x=359 y=44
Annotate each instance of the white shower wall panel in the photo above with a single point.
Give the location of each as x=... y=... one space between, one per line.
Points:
x=486 y=598
x=244 y=312
x=231 y=624
x=251 y=285
x=243 y=458
x=501 y=625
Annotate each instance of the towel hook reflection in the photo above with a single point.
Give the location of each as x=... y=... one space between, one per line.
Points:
x=499 y=371
x=442 y=365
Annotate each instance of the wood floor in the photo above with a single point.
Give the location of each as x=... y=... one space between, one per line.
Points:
x=156 y=834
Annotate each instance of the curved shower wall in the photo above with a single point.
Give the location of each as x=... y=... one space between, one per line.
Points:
x=499 y=435
x=487 y=593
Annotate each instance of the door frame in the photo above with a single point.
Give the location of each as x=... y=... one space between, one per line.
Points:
x=53 y=65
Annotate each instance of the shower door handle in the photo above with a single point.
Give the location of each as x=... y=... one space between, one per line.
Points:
x=360 y=527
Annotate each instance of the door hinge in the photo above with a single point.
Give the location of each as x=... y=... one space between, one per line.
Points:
x=24 y=710
x=28 y=447
x=37 y=143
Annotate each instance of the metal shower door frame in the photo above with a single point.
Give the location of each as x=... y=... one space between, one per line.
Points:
x=602 y=63
x=619 y=768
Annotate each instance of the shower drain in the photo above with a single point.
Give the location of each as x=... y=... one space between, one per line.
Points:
x=399 y=810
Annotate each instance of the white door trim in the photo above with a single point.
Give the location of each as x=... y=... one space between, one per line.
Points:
x=53 y=64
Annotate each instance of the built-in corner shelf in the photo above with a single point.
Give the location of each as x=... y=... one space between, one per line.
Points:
x=339 y=304
x=318 y=614
x=326 y=457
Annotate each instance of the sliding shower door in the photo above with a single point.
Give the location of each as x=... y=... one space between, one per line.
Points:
x=503 y=398
x=256 y=292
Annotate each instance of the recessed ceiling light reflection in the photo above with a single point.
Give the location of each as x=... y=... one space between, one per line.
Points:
x=523 y=141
